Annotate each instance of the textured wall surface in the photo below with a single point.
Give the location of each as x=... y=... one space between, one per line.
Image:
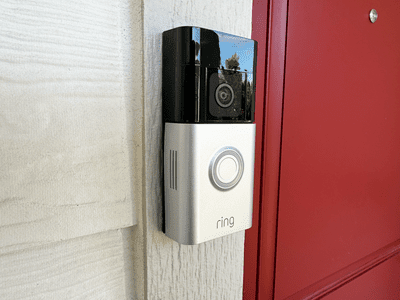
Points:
x=80 y=141
x=71 y=149
x=97 y=266
x=213 y=270
x=66 y=120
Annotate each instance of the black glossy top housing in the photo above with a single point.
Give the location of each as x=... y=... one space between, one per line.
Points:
x=208 y=76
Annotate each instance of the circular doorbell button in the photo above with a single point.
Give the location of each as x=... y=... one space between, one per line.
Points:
x=226 y=168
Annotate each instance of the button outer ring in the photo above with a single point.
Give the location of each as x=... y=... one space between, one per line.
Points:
x=214 y=178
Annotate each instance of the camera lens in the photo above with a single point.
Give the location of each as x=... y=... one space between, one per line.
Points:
x=224 y=95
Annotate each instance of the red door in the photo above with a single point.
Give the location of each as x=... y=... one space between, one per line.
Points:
x=330 y=209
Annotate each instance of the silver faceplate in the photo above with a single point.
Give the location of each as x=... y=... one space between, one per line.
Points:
x=196 y=210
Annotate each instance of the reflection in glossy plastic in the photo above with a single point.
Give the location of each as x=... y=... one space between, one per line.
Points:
x=196 y=63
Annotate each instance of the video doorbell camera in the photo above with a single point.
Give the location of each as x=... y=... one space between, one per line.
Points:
x=208 y=90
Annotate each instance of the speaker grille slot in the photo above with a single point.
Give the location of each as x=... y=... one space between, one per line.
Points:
x=173 y=169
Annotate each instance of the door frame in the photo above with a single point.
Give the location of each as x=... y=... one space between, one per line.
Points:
x=269 y=29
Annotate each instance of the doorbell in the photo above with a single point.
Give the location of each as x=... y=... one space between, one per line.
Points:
x=208 y=90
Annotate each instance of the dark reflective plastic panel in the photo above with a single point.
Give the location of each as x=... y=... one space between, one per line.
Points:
x=208 y=76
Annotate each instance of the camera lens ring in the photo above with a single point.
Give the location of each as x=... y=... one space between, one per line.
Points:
x=224 y=95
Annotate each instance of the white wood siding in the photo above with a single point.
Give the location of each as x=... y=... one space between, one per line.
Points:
x=65 y=115
x=71 y=149
x=97 y=266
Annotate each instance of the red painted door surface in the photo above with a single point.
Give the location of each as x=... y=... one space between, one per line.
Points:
x=337 y=226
